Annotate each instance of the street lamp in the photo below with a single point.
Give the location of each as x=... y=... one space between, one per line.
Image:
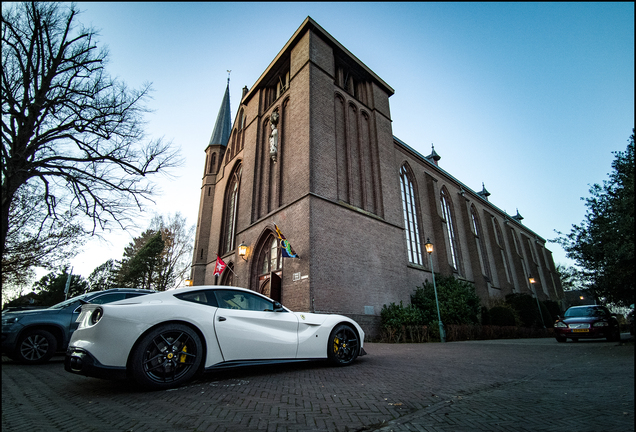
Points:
x=532 y=282
x=429 y=248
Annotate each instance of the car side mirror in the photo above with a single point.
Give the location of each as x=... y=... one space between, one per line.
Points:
x=278 y=307
x=559 y=318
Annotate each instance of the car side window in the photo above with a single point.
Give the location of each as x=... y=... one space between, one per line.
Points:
x=132 y=295
x=228 y=299
x=202 y=297
x=108 y=298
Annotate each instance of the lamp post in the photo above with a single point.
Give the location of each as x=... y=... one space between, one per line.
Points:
x=534 y=291
x=429 y=248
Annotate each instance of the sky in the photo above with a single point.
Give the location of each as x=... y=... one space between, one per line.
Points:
x=529 y=98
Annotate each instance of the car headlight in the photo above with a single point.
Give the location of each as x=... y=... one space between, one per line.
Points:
x=9 y=321
x=97 y=314
x=601 y=324
x=560 y=324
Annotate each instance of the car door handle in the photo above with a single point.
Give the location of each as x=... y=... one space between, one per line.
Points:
x=222 y=318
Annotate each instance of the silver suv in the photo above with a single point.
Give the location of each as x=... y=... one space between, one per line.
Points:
x=34 y=336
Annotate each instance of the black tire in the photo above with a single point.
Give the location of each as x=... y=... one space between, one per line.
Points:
x=343 y=346
x=575 y=339
x=35 y=347
x=615 y=336
x=167 y=357
x=561 y=338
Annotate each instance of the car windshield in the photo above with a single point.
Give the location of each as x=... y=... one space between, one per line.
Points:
x=70 y=301
x=584 y=312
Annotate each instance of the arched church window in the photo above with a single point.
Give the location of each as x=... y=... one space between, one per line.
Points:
x=270 y=259
x=231 y=210
x=411 y=224
x=481 y=247
x=212 y=163
x=502 y=248
x=228 y=275
x=449 y=228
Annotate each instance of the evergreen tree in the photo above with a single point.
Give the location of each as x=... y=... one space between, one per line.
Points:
x=603 y=244
x=50 y=288
x=103 y=277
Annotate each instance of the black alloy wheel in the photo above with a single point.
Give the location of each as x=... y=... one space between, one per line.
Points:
x=343 y=346
x=35 y=347
x=167 y=357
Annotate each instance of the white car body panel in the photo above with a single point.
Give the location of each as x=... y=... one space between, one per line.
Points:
x=243 y=335
x=247 y=335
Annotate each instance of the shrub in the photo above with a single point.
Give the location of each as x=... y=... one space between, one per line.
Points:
x=526 y=307
x=458 y=303
x=399 y=321
x=502 y=316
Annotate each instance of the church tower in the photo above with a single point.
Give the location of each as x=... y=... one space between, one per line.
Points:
x=214 y=153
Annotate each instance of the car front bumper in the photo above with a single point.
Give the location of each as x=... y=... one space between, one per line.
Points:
x=81 y=362
x=592 y=333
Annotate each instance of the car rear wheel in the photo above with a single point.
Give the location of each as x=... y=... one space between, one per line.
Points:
x=168 y=356
x=35 y=347
x=344 y=345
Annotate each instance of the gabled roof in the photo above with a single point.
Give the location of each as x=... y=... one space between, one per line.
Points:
x=310 y=24
x=223 y=125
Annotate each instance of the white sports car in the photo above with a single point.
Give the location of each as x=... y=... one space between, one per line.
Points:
x=162 y=340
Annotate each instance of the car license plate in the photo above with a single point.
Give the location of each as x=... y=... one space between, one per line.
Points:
x=580 y=330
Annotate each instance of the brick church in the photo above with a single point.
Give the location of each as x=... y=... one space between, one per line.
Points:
x=312 y=151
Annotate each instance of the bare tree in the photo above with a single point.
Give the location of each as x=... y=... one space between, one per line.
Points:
x=67 y=125
x=176 y=258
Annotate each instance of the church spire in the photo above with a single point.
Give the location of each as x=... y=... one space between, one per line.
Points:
x=223 y=125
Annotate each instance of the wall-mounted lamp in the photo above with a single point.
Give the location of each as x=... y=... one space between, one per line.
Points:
x=242 y=251
x=188 y=282
x=531 y=280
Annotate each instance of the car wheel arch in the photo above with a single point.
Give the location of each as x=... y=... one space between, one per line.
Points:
x=57 y=332
x=353 y=327
x=150 y=329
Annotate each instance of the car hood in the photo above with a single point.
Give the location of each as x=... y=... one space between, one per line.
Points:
x=582 y=319
x=25 y=313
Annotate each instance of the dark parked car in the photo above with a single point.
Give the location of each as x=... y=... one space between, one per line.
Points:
x=34 y=336
x=587 y=322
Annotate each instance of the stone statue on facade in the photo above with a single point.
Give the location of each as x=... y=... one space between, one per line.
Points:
x=273 y=137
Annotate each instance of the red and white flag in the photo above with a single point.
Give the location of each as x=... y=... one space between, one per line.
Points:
x=219 y=266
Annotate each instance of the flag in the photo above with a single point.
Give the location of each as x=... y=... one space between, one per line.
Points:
x=287 y=251
x=219 y=266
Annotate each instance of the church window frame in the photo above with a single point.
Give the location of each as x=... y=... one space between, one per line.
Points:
x=410 y=212
x=449 y=228
x=230 y=213
x=479 y=239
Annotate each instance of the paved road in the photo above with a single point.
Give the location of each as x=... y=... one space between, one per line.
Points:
x=505 y=385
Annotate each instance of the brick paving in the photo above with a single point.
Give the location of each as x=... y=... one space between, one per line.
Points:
x=508 y=385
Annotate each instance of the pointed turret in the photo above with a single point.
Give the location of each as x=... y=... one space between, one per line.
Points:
x=484 y=192
x=434 y=157
x=223 y=125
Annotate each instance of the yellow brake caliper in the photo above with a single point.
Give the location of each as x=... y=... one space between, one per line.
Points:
x=336 y=341
x=182 y=359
